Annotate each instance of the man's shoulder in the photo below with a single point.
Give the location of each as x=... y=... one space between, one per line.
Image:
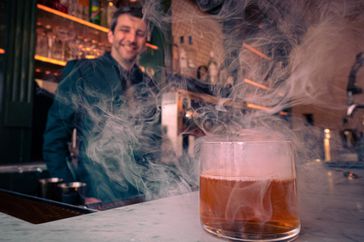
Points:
x=85 y=68
x=95 y=63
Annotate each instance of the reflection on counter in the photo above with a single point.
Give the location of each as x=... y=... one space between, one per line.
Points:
x=37 y=210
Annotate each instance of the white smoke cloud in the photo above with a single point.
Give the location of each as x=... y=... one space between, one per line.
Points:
x=312 y=44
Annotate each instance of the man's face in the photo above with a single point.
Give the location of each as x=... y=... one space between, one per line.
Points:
x=128 y=39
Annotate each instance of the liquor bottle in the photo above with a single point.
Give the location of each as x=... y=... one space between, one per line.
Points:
x=103 y=13
x=110 y=10
x=95 y=11
x=183 y=59
x=84 y=9
x=213 y=68
x=60 y=5
x=191 y=54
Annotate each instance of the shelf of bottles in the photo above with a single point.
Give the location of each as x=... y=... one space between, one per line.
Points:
x=68 y=30
x=61 y=37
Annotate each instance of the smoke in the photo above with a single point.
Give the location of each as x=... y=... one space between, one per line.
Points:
x=306 y=51
x=313 y=47
x=308 y=47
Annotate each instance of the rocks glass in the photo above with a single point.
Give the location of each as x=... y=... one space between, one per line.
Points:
x=248 y=188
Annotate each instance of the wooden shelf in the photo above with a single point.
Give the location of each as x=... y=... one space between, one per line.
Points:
x=81 y=21
x=72 y=18
x=50 y=60
x=55 y=61
x=225 y=101
x=256 y=51
x=256 y=84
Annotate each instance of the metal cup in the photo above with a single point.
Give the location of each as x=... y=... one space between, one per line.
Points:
x=72 y=193
x=48 y=187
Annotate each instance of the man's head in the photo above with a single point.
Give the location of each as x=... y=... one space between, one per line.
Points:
x=127 y=35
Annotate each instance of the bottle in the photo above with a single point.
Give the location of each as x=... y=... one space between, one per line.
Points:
x=103 y=13
x=73 y=7
x=95 y=12
x=85 y=9
x=191 y=54
x=60 y=5
x=110 y=10
x=183 y=60
x=213 y=69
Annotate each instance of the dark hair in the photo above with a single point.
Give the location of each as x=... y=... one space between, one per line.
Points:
x=135 y=11
x=198 y=72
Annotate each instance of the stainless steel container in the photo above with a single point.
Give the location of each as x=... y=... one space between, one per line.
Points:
x=48 y=188
x=72 y=193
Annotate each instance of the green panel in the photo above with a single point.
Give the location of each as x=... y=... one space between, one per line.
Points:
x=15 y=146
x=16 y=80
x=19 y=64
x=20 y=114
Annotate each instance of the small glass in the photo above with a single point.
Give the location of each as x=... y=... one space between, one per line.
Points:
x=248 y=189
x=42 y=45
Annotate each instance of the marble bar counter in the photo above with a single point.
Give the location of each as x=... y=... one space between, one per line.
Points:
x=331 y=207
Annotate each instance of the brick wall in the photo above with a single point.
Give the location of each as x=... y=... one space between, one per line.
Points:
x=206 y=33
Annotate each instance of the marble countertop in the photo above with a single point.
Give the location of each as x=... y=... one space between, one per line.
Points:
x=332 y=209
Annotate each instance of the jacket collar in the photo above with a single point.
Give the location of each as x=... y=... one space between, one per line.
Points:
x=135 y=75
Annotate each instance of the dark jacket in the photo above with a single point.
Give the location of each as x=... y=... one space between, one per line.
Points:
x=117 y=117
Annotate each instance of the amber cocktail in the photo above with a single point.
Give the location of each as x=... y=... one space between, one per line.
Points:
x=248 y=189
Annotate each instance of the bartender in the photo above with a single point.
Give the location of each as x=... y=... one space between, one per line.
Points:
x=114 y=108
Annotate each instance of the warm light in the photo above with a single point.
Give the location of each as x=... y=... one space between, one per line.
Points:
x=255 y=51
x=154 y=47
x=263 y=108
x=189 y=114
x=256 y=84
x=73 y=18
x=257 y=107
x=2 y=51
x=90 y=57
x=83 y=22
x=327 y=148
x=49 y=60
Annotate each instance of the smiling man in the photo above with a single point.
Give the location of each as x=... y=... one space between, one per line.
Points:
x=113 y=107
x=127 y=37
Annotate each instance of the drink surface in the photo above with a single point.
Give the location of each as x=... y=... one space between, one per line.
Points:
x=258 y=207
